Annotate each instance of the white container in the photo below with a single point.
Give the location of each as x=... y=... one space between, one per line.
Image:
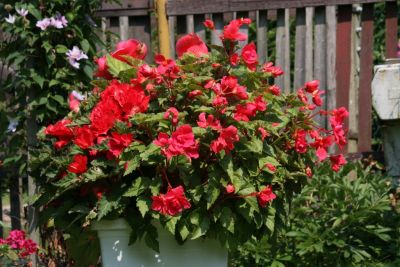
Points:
x=115 y=252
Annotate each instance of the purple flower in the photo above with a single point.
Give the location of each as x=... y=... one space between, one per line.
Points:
x=74 y=55
x=43 y=24
x=10 y=19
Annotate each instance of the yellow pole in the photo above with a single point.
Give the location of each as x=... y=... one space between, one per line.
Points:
x=163 y=31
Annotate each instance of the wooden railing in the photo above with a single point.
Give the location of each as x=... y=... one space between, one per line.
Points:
x=332 y=42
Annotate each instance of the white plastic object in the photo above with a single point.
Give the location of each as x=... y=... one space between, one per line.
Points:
x=115 y=252
x=386 y=91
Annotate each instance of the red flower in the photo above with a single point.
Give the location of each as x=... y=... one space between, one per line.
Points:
x=244 y=112
x=275 y=90
x=301 y=141
x=119 y=142
x=270 y=68
x=59 y=130
x=231 y=31
x=84 y=137
x=132 y=48
x=79 y=165
x=191 y=43
x=249 y=56
x=338 y=116
x=195 y=93
x=337 y=162
x=16 y=240
x=231 y=88
x=172 y=203
x=311 y=86
x=234 y=59
x=209 y=122
x=102 y=68
x=321 y=144
x=226 y=139
x=302 y=96
x=270 y=167
x=263 y=132
x=309 y=172
x=172 y=114
x=317 y=100
x=230 y=189
x=181 y=142
x=265 y=196
x=209 y=24
x=104 y=115
x=220 y=101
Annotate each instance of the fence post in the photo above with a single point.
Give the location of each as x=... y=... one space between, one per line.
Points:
x=163 y=32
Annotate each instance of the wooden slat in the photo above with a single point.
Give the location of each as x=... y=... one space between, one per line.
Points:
x=391 y=29
x=219 y=26
x=124 y=27
x=185 y=7
x=343 y=55
x=140 y=29
x=309 y=44
x=320 y=56
x=366 y=68
x=262 y=38
x=126 y=4
x=199 y=28
x=171 y=26
x=331 y=57
x=189 y=23
x=300 y=49
x=283 y=49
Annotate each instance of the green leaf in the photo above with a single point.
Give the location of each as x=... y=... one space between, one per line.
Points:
x=183 y=231
x=115 y=66
x=151 y=238
x=143 y=204
x=132 y=165
x=61 y=49
x=212 y=194
x=171 y=224
x=105 y=206
x=227 y=219
x=255 y=145
x=85 y=45
x=138 y=187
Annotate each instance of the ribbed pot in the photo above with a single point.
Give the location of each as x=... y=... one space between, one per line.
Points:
x=115 y=252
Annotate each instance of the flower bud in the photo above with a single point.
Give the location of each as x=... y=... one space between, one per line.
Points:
x=230 y=189
x=311 y=86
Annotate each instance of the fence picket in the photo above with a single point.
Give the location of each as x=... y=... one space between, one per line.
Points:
x=171 y=26
x=283 y=48
x=262 y=38
x=218 y=19
x=300 y=49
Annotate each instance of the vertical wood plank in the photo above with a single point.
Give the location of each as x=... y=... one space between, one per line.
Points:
x=331 y=57
x=283 y=48
x=343 y=55
x=320 y=55
x=15 y=204
x=199 y=28
x=366 y=69
x=189 y=23
x=139 y=28
x=262 y=29
x=171 y=26
x=219 y=26
x=309 y=44
x=300 y=49
x=244 y=29
x=391 y=29
x=124 y=27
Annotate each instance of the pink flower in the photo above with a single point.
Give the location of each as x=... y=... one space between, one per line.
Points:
x=226 y=139
x=270 y=68
x=231 y=31
x=102 y=68
x=312 y=86
x=337 y=162
x=132 y=48
x=249 y=56
x=209 y=122
x=74 y=101
x=181 y=142
x=209 y=24
x=265 y=196
x=230 y=189
x=309 y=172
x=191 y=43
x=172 y=203
x=172 y=114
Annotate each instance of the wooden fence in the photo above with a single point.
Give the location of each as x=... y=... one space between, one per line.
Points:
x=331 y=41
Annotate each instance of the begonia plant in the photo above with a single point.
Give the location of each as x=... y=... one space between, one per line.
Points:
x=205 y=145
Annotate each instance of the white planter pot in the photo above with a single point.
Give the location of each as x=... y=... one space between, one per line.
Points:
x=115 y=252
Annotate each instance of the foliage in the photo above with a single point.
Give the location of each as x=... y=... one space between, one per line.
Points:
x=339 y=219
x=206 y=145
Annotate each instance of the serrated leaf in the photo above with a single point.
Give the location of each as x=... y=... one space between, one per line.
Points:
x=184 y=231
x=171 y=224
x=227 y=219
x=132 y=165
x=151 y=239
x=138 y=187
x=115 y=66
x=143 y=204
x=212 y=194
x=202 y=227
x=105 y=206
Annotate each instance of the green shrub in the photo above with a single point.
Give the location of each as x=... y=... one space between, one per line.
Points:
x=339 y=219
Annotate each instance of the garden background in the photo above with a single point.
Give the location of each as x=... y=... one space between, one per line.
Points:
x=336 y=42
